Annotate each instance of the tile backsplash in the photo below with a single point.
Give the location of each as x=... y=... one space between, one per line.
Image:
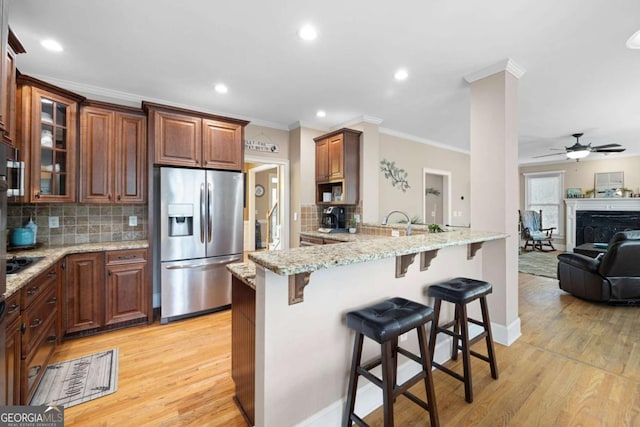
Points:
x=311 y=215
x=80 y=223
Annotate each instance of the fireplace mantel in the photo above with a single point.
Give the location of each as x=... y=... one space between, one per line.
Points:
x=594 y=204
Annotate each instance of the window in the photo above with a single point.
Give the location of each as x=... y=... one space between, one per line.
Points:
x=544 y=191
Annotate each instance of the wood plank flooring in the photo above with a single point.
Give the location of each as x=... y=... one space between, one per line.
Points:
x=576 y=364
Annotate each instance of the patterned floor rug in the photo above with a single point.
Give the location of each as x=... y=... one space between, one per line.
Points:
x=538 y=263
x=79 y=380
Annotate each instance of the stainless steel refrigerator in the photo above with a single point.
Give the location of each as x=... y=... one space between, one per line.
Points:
x=201 y=231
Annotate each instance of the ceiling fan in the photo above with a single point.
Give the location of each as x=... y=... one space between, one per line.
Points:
x=579 y=151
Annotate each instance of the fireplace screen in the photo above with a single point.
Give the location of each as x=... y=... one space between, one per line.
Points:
x=600 y=226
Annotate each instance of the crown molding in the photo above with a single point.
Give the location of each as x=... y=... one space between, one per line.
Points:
x=360 y=119
x=505 y=65
x=420 y=140
x=133 y=99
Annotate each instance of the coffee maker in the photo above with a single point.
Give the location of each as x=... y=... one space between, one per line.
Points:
x=333 y=219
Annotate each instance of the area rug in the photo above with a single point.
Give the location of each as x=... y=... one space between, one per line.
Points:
x=79 y=380
x=539 y=263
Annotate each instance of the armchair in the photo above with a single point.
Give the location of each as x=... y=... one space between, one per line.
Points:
x=611 y=277
x=532 y=232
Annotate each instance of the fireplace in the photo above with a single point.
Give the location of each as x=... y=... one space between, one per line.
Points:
x=600 y=226
x=597 y=220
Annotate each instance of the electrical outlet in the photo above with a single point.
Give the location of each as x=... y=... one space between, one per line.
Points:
x=357 y=218
x=133 y=221
x=404 y=336
x=395 y=233
x=54 y=222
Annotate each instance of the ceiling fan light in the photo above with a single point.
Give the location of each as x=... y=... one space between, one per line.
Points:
x=578 y=154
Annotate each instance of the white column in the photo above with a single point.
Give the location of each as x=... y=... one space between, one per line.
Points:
x=495 y=187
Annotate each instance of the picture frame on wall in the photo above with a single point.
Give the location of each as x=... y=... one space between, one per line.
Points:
x=573 y=193
x=609 y=184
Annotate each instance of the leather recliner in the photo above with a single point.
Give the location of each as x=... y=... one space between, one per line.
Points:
x=611 y=277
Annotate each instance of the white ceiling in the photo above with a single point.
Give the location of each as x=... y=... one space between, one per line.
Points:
x=579 y=76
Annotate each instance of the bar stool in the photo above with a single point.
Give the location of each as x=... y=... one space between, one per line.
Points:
x=384 y=323
x=461 y=291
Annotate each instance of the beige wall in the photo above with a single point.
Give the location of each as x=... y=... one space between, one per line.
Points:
x=413 y=157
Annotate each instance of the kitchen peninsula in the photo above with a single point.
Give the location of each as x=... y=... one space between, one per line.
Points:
x=302 y=348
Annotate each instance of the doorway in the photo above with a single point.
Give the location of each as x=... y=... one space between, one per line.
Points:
x=436 y=196
x=266 y=220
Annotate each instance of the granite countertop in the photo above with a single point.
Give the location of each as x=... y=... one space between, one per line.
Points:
x=54 y=254
x=245 y=271
x=312 y=258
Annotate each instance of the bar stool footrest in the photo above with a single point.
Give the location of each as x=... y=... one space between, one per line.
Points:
x=448 y=371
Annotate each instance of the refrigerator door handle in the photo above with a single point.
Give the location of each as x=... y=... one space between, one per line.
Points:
x=210 y=212
x=202 y=213
x=223 y=260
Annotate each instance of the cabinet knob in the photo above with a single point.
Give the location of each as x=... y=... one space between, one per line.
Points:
x=109 y=273
x=51 y=273
x=52 y=339
x=37 y=195
x=33 y=290
x=23 y=327
x=35 y=323
x=109 y=196
x=13 y=308
x=52 y=300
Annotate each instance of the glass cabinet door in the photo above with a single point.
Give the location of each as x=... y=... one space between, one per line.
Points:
x=54 y=148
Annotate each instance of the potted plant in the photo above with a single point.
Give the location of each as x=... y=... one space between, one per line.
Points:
x=352 y=225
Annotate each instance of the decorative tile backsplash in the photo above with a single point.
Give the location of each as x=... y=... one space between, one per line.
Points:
x=80 y=223
x=311 y=215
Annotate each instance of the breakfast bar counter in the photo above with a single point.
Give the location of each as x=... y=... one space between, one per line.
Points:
x=302 y=347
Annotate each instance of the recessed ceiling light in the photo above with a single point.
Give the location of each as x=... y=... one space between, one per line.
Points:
x=634 y=41
x=220 y=88
x=401 y=74
x=307 y=32
x=51 y=45
x=321 y=113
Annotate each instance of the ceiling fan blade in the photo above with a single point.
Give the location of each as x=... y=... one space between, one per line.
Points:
x=597 y=147
x=547 y=155
x=609 y=150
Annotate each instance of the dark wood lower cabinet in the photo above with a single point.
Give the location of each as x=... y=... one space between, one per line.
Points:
x=243 y=346
x=105 y=291
x=83 y=292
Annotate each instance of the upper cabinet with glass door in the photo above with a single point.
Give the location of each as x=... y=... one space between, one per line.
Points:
x=49 y=140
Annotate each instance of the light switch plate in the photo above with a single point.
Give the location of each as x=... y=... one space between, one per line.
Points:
x=133 y=221
x=54 y=222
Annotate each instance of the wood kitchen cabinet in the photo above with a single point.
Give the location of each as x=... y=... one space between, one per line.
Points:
x=39 y=329
x=105 y=290
x=8 y=107
x=47 y=133
x=113 y=149
x=126 y=297
x=13 y=350
x=243 y=345
x=4 y=39
x=192 y=139
x=338 y=167
x=306 y=240
x=83 y=291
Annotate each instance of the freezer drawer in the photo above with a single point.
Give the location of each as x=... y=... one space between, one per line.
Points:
x=195 y=286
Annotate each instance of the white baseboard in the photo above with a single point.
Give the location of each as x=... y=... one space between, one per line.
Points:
x=506 y=335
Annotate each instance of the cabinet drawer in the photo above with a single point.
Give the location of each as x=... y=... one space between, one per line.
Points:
x=13 y=307
x=36 y=319
x=36 y=361
x=127 y=256
x=38 y=286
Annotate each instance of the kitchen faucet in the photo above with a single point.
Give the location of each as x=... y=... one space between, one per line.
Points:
x=386 y=218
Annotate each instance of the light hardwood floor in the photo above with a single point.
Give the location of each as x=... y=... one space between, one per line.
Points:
x=576 y=364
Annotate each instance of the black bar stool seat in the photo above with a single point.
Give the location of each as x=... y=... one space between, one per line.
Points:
x=384 y=323
x=460 y=292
